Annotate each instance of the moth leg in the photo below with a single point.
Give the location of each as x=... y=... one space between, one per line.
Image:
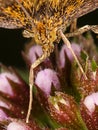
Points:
x=83 y=29
x=46 y=53
x=73 y=26
x=66 y=41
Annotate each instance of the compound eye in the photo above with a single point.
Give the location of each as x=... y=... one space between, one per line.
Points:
x=27 y=34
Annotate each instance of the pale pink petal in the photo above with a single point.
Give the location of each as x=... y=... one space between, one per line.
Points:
x=90 y=102
x=45 y=78
x=34 y=51
x=3 y=104
x=76 y=48
x=5 y=85
x=17 y=126
x=11 y=76
x=2 y=115
x=95 y=98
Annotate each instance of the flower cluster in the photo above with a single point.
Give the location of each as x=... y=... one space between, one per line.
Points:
x=63 y=98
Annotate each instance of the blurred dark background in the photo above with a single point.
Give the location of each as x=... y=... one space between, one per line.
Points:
x=11 y=44
x=12 y=41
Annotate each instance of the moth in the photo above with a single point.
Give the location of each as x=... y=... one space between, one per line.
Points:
x=45 y=21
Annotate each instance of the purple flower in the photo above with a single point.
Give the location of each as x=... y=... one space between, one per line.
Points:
x=17 y=126
x=3 y=104
x=61 y=93
x=44 y=80
x=91 y=102
x=4 y=83
x=76 y=48
x=89 y=111
x=3 y=115
x=34 y=52
x=14 y=105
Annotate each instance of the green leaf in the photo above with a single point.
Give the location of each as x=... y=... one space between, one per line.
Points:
x=94 y=65
x=84 y=56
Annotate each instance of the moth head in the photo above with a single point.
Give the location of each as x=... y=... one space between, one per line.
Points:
x=32 y=34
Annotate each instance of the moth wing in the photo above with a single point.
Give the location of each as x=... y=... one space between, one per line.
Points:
x=11 y=15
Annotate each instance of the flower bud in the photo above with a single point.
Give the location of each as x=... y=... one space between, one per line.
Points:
x=65 y=111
